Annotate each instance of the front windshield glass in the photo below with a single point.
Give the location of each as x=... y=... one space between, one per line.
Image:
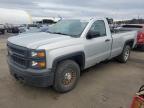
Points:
x=72 y=28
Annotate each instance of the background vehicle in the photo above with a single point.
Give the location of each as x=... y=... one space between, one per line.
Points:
x=15 y=29
x=57 y=57
x=33 y=28
x=22 y=28
x=2 y=29
x=140 y=33
x=44 y=28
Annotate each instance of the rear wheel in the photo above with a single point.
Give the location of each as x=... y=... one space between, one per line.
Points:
x=123 y=58
x=66 y=76
x=143 y=48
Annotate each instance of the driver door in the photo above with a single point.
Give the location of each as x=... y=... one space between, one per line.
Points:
x=98 y=48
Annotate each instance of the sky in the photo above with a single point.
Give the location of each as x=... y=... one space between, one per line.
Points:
x=117 y=9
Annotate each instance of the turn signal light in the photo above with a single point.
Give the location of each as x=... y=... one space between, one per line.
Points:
x=41 y=64
x=41 y=54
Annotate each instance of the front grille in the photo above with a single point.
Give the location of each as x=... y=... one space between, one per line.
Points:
x=18 y=55
x=18 y=50
x=19 y=61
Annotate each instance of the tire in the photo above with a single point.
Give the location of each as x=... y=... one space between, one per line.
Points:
x=143 y=48
x=66 y=76
x=124 y=56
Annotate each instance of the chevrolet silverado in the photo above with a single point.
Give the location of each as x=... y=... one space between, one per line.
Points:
x=57 y=57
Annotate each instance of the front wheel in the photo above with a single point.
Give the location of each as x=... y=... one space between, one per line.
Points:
x=66 y=76
x=124 y=56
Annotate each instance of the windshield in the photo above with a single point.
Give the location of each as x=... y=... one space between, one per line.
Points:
x=72 y=28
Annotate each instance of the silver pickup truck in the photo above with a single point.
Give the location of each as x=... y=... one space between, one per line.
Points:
x=57 y=57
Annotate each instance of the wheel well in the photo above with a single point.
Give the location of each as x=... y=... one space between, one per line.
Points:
x=130 y=42
x=79 y=58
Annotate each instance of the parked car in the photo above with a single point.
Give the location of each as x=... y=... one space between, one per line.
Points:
x=22 y=28
x=33 y=28
x=140 y=33
x=10 y=28
x=44 y=28
x=30 y=28
x=2 y=29
x=57 y=57
x=15 y=29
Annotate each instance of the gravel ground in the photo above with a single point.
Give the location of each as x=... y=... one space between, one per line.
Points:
x=106 y=85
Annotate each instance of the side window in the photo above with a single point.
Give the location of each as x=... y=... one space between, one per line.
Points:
x=99 y=27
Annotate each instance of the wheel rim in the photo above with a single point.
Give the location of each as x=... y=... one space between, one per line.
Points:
x=126 y=55
x=69 y=77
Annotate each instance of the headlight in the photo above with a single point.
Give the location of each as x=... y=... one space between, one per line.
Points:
x=38 y=64
x=38 y=54
x=38 y=59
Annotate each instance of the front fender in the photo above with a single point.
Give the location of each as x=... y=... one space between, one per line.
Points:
x=63 y=53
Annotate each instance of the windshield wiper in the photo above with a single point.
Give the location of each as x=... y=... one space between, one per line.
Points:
x=60 y=33
x=57 y=33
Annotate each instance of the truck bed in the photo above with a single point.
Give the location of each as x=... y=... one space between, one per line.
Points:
x=117 y=31
x=126 y=34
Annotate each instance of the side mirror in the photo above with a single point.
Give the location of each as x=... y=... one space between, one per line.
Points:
x=92 y=34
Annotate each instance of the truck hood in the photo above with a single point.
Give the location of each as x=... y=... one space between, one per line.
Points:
x=34 y=40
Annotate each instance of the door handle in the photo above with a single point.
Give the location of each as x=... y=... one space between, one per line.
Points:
x=107 y=40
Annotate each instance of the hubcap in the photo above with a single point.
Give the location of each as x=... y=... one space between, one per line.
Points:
x=69 y=77
x=126 y=56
